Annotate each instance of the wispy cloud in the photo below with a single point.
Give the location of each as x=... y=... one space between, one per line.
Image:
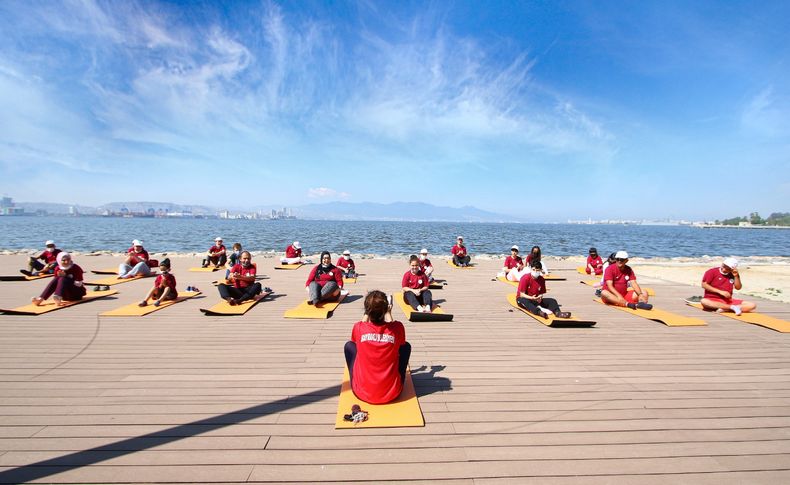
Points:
x=767 y=114
x=326 y=193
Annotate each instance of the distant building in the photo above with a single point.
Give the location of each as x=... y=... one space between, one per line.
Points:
x=7 y=208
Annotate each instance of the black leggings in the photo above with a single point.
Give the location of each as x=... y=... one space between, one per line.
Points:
x=425 y=298
x=239 y=294
x=532 y=307
x=459 y=260
x=404 y=352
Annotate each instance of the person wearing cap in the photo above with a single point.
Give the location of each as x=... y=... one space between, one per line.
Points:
x=136 y=262
x=293 y=254
x=594 y=263
x=346 y=265
x=513 y=264
x=325 y=281
x=425 y=264
x=67 y=285
x=216 y=254
x=718 y=284
x=164 y=286
x=415 y=287
x=460 y=254
x=529 y=296
x=44 y=263
x=620 y=286
x=241 y=284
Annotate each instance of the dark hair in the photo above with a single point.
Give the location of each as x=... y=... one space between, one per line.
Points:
x=536 y=264
x=236 y=245
x=165 y=262
x=414 y=257
x=611 y=257
x=243 y=253
x=593 y=251
x=533 y=250
x=376 y=305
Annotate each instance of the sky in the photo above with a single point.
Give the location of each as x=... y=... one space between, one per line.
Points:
x=546 y=111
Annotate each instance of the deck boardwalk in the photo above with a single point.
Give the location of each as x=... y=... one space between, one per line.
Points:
x=181 y=397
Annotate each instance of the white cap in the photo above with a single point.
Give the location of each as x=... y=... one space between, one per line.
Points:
x=423 y=251
x=137 y=242
x=732 y=263
x=347 y=252
x=49 y=242
x=217 y=238
x=514 y=247
x=621 y=255
x=460 y=237
x=296 y=245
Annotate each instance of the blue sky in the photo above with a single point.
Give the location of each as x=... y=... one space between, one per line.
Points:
x=545 y=110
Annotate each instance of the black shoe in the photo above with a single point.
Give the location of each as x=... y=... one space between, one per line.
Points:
x=644 y=306
x=105 y=288
x=97 y=288
x=309 y=302
x=598 y=292
x=268 y=290
x=632 y=306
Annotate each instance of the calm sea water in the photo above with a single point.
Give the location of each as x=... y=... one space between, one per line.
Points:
x=385 y=238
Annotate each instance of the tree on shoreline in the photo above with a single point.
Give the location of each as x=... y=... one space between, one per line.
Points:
x=775 y=219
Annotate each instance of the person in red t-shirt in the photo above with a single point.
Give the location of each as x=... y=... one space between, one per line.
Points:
x=460 y=254
x=425 y=264
x=594 y=263
x=35 y=266
x=67 y=285
x=620 y=286
x=164 y=286
x=531 y=288
x=346 y=265
x=513 y=268
x=241 y=281
x=415 y=287
x=216 y=254
x=325 y=281
x=377 y=354
x=293 y=254
x=718 y=284
x=536 y=256
x=136 y=261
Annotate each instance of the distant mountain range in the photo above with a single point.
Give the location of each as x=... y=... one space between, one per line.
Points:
x=345 y=211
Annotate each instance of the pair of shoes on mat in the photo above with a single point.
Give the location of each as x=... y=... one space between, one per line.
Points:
x=310 y=302
x=640 y=306
x=143 y=303
x=423 y=308
x=232 y=301
x=101 y=288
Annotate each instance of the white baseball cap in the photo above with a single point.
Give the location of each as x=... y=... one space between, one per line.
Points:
x=514 y=247
x=218 y=238
x=49 y=242
x=347 y=252
x=296 y=245
x=460 y=237
x=423 y=251
x=732 y=263
x=621 y=255
x=137 y=242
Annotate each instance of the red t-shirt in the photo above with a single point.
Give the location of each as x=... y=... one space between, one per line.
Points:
x=76 y=274
x=414 y=281
x=345 y=263
x=719 y=281
x=138 y=257
x=333 y=275
x=376 y=376
x=596 y=262
x=511 y=262
x=292 y=252
x=532 y=286
x=459 y=251
x=425 y=263
x=216 y=249
x=241 y=270
x=619 y=278
x=169 y=281
x=49 y=257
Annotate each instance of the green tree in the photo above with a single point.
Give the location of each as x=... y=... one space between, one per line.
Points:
x=755 y=219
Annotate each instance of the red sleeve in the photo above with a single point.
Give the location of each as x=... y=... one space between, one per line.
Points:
x=43 y=256
x=77 y=273
x=253 y=270
x=608 y=274
x=172 y=281
x=522 y=284
x=454 y=250
x=404 y=282
x=709 y=276
x=542 y=284
x=338 y=277
x=311 y=277
x=355 y=333
x=400 y=333
x=425 y=279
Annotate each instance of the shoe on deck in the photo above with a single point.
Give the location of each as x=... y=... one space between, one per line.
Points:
x=644 y=306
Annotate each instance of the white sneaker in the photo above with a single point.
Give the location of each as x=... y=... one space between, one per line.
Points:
x=736 y=309
x=419 y=308
x=426 y=309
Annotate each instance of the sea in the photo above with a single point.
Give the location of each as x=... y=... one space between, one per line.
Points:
x=380 y=238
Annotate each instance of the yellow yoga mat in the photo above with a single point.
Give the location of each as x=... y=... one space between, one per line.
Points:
x=51 y=306
x=134 y=310
x=662 y=316
x=436 y=315
x=289 y=266
x=754 y=318
x=437 y=284
x=209 y=269
x=38 y=277
x=505 y=280
x=403 y=412
x=321 y=310
x=450 y=262
x=114 y=280
x=552 y=321
x=20 y=277
x=113 y=270
x=223 y=308
x=349 y=280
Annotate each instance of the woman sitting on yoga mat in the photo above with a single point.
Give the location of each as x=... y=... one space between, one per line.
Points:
x=293 y=254
x=242 y=285
x=460 y=255
x=325 y=281
x=514 y=267
x=164 y=286
x=216 y=254
x=67 y=285
x=535 y=256
x=719 y=284
x=425 y=264
x=377 y=354
x=136 y=262
x=346 y=265
x=620 y=286
x=529 y=295
x=415 y=287
x=49 y=256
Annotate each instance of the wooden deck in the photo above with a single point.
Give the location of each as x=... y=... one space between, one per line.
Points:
x=180 y=397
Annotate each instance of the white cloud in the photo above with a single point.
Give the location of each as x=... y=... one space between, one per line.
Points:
x=326 y=193
x=767 y=114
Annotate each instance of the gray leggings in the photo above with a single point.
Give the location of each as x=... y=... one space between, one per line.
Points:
x=319 y=293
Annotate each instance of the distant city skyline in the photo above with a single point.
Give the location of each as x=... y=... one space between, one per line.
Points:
x=540 y=110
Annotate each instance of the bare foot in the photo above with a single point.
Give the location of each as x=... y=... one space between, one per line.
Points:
x=37 y=300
